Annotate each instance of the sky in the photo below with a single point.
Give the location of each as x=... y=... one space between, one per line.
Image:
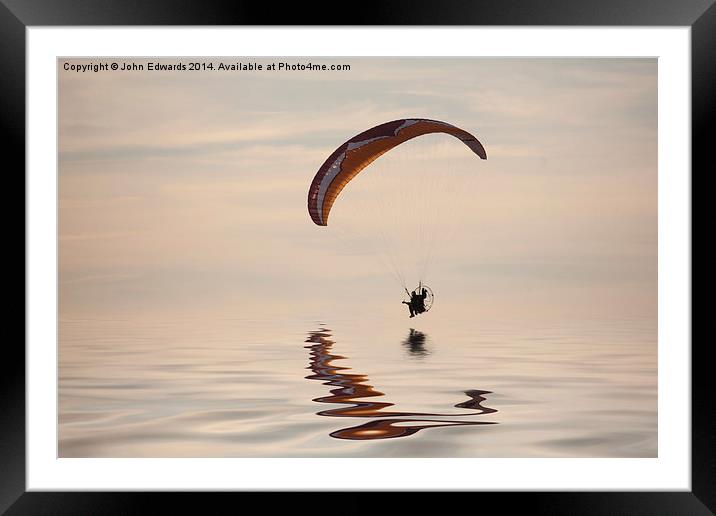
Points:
x=186 y=190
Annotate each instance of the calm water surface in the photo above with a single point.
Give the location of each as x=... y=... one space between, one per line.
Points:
x=231 y=387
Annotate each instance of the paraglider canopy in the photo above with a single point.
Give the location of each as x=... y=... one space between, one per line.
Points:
x=364 y=148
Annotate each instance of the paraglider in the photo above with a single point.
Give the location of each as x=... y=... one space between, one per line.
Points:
x=421 y=300
x=360 y=151
x=354 y=155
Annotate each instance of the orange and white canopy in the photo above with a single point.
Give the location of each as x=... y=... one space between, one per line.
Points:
x=361 y=150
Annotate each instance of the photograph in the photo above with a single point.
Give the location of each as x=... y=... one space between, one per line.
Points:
x=357 y=257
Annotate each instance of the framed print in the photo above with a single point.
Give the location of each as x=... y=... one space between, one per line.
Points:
x=373 y=257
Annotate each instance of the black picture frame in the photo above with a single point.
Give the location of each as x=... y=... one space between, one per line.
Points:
x=17 y=15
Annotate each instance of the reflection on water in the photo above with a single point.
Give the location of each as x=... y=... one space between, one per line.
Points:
x=353 y=389
x=217 y=385
x=415 y=343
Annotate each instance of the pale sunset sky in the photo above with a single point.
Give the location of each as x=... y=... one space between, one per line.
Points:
x=187 y=190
